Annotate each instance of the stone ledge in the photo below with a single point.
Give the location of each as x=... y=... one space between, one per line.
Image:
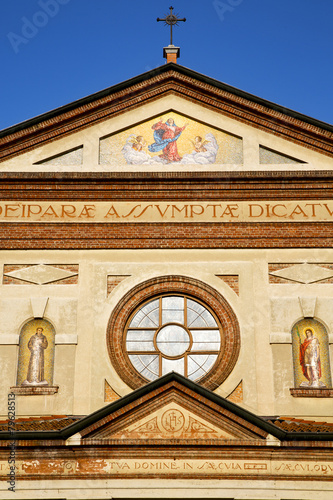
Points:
x=311 y=393
x=9 y=339
x=34 y=391
x=280 y=338
x=65 y=338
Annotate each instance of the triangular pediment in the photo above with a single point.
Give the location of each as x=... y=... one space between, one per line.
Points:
x=124 y=128
x=170 y=408
x=172 y=421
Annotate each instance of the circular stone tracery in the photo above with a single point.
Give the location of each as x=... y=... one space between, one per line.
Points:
x=150 y=334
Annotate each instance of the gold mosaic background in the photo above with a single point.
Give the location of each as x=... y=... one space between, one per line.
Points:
x=230 y=147
x=321 y=334
x=24 y=353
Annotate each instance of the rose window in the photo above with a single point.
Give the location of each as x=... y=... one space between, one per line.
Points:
x=173 y=333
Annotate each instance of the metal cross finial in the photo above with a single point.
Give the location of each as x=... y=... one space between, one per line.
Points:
x=172 y=20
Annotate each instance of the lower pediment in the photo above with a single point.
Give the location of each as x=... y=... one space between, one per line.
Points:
x=174 y=412
x=171 y=421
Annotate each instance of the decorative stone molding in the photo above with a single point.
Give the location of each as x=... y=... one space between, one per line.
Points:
x=280 y=338
x=38 y=306
x=66 y=338
x=308 y=306
x=311 y=393
x=9 y=339
x=34 y=391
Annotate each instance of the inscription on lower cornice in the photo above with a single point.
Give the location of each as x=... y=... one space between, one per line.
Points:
x=178 y=211
x=148 y=467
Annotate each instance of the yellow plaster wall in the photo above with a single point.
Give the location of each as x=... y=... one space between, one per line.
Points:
x=80 y=314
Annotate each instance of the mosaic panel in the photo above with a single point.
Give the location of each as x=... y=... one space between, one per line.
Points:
x=269 y=156
x=168 y=139
x=69 y=158
x=311 y=355
x=36 y=354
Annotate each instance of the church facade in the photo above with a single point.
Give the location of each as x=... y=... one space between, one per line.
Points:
x=166 y=296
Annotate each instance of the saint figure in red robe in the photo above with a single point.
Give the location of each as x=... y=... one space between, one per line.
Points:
x=309 y=358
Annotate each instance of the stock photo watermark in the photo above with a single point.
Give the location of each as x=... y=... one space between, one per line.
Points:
x=225 y=7
x=31 y=26
x=12 y=445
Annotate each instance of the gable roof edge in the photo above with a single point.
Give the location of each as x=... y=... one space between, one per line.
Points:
x=157 y=71
x=101 y=413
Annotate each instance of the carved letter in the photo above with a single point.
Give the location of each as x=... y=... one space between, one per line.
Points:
x=298 y=211
x=9 y=207
x=174 y=207
x=214 y=209
x=162 y=213
x=85 y=211
x=131 y=211
x=274 y=211
x=142 y=211
x=112 y=213
x=31 y=212
x=229 y=210
x=313 y=205
x=52 y=211
x=328 y=210
x=64 y=210
x=193 y=212
x=251 y=212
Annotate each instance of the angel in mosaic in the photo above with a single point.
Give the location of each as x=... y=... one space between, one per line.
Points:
x=204 y=151
x=199 y=144
x=134 y=151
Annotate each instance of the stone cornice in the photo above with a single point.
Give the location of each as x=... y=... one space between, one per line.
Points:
x=166 y=80
x=166 y=185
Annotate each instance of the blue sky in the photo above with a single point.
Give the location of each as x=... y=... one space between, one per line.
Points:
x=56 y=51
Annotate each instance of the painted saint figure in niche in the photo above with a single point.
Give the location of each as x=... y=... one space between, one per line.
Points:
x=166 y=136
x=309 y=358
x=37 y=344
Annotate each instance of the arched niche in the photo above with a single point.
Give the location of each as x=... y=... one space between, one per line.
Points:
x=36 y=354
x=311 y=355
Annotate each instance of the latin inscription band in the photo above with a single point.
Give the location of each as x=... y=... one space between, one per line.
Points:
x=223 y=467
x=197 y=211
